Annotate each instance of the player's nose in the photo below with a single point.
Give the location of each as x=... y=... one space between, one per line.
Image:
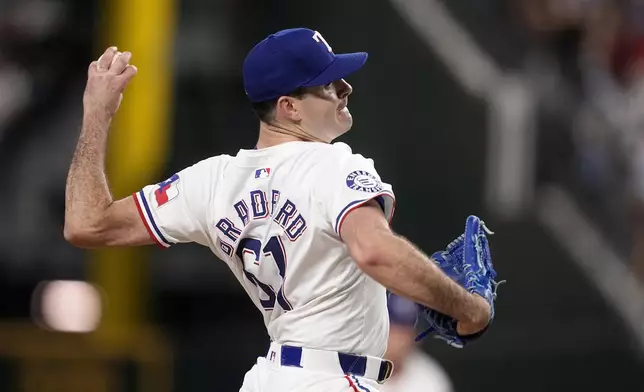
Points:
x=343 y=88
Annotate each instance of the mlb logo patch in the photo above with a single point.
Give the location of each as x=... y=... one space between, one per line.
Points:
x=263 y=172
x=166 y=191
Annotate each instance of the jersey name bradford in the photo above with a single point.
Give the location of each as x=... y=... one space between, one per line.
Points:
x=249 y=251
x=259 y=206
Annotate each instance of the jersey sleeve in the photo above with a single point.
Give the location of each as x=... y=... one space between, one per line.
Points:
x=176 y=210
x=352 y=183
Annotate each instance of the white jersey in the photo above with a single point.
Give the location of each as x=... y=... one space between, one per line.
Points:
x=274 y=216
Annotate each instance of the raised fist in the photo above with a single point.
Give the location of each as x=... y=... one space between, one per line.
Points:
x=106 y=80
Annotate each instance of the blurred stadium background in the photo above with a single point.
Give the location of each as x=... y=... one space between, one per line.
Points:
x=529 y=113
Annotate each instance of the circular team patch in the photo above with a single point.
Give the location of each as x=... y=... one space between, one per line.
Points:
x=363 y=181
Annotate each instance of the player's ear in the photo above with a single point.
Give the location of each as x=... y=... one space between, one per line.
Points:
x=288 y=108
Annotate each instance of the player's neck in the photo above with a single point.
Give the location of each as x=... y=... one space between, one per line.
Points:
x=274 y=134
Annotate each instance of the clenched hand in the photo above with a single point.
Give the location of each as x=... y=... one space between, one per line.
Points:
x=106 y=80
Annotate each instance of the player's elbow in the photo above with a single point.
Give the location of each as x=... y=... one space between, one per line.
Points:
x=75 y=236
x=79 y=235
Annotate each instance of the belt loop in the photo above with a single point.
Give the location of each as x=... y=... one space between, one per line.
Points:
x=274 y=353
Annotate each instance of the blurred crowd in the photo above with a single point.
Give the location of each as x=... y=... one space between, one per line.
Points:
x=590 y=57
x=44 y=47
x=39 y=42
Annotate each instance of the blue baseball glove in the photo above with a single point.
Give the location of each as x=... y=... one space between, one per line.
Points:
x=467 y=261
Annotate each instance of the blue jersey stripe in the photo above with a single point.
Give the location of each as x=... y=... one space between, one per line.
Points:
x=379 y=197
x=353 y=203
x=154 y=225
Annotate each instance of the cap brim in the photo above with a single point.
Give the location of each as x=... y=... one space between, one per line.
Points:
x=342 y=66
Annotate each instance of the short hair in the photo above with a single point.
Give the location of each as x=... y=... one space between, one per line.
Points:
x=265 y=110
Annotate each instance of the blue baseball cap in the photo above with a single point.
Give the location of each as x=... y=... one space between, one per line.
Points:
x=294 y=58
x=402 y=311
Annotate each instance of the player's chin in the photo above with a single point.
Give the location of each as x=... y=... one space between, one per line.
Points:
x=345 y=120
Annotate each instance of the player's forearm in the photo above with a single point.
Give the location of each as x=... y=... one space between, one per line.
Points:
x=87 y=193
x=406 y=271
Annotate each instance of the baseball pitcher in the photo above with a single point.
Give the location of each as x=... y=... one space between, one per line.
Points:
x=303 y=223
